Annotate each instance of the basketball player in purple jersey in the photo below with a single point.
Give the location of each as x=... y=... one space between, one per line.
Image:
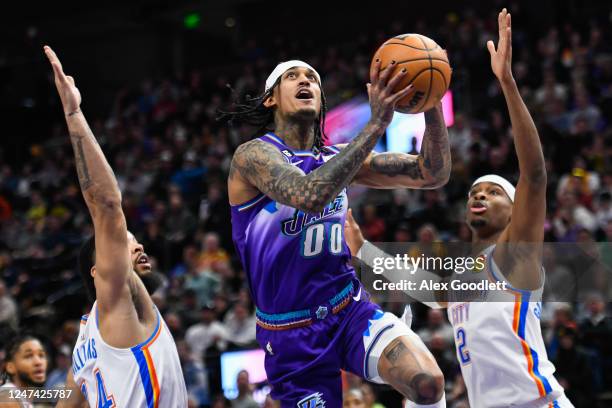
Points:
x=288 y=196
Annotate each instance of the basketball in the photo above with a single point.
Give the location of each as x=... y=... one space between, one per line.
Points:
x=427 y=68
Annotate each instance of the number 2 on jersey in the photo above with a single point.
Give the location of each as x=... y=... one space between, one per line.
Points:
x=314 y=236
x=464 y=354
x=104 y=400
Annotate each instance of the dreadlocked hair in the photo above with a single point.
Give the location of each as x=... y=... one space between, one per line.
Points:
x=11 y=349
x=251 y=110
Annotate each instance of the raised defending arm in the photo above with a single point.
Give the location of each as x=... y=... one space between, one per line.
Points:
x=529 y=211
x=100 y=190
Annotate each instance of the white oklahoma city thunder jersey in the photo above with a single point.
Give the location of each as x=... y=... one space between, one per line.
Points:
x=148 y=375
x=500 y=347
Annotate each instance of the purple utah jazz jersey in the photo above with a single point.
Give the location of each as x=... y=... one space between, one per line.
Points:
x=293 y=260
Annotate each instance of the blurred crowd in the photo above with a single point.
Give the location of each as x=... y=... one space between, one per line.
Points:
x=171 y=159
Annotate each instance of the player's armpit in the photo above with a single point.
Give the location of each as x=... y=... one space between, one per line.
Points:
x=76 y=398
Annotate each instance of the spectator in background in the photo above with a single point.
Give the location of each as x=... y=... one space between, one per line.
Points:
x=584 y=110
x=207 y=333
x=570 y=217
x=8 y=309
x=596 y=334
x=603 y=213
x=202 y=281
x=436 y=325
x=562 y=319
x=240 y=326
x=369 y=397
x=573 y=369
x=57 y=377
x=432 y=212
x=179 y=224
x=26 y=364
x=245 y=395
x=211 y=251
x=194 y=373
x=373 y=226
x=353 y=398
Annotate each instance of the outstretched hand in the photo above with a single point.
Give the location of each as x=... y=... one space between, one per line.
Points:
x=501 y=58
x=68 y=92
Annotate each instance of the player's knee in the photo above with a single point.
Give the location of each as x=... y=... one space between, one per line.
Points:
x=426 y=387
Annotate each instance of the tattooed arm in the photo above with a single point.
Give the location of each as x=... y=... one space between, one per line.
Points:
x=257 y=166
x=430 y=169
x=101 y=193
x=264 y=167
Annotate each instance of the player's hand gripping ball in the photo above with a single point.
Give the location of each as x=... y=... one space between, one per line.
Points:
x=427 y=69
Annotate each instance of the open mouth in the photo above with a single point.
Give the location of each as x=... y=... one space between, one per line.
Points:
x=39 y=374
x=478 y=208
x=304 y=94
x=144 y=261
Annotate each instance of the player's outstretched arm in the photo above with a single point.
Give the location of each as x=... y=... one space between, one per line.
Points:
x=264 y=167
x=430 y=169
x=529 y=211
x=100 y=190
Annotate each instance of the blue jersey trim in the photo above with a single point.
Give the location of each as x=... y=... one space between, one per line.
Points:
x=534 y=355
x=342 y=295
x=251 y=202
x=275 y=138
x=277 y=317
x=143 y=367
x=369 y=350
x=145 y=377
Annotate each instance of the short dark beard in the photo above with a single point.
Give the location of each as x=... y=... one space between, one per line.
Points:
x=476 y=224
x=26 y=381
x=305 y=117
x=152 y=281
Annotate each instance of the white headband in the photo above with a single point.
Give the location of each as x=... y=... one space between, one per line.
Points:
x=500 y=181
x=283 y=67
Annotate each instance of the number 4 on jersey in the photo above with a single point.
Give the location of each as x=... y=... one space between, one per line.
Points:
x=104 y=400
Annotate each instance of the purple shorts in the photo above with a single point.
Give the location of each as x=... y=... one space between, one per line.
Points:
x=303 y=364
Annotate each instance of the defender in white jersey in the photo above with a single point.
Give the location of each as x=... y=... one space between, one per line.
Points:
x=497 y=333
x=125 y=355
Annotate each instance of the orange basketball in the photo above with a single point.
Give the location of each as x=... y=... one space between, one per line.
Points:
x=427 y=68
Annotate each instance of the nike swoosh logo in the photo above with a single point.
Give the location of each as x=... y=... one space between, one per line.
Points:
x=297 y=162
x=356 y=298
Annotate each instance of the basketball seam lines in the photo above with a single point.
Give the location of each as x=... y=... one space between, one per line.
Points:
x=442 y=75
x=416 y=59
x=412 y=46
x=430 y=74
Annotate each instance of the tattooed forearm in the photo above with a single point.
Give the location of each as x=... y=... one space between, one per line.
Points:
x=263 y=166
x=393 y=164
x=435 y=149
x=96 y=178
x=80 y=162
